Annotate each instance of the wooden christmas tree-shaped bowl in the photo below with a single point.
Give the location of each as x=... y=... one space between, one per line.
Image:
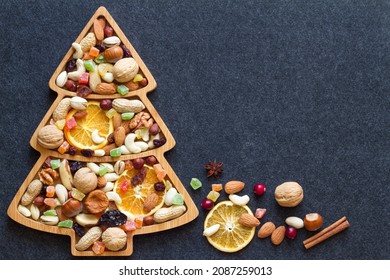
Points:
x=29 y=207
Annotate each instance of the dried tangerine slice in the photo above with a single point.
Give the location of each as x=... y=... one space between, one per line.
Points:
x=96 y=119
x=133 y=197
x=231 y=236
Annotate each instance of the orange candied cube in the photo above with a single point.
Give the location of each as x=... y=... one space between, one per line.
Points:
x=216 y=187
x=64 y=148
x=50 y=191
x=94 y=52
x=138 y=222
x=87 y=56
x=160 y=172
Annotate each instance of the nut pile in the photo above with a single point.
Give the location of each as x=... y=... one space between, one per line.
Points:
x=129 y=128
x=87 y=197
x=101 y=64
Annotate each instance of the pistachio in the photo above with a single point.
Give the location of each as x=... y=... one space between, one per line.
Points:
x=61 y=79
x=78 y=103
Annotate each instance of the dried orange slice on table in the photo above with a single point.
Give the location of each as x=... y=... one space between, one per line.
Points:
x=133 y=197
x=96 y=119
x=231 y=236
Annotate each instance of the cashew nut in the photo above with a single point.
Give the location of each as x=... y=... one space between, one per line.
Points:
x=110 y=167
x=124 y=150
x=113 y=196
x=142 y=145
x=108 y=187
x=100 y=153
x=111 y=177
x=96 y=138
x=239 y=200
x=80 y=70
x=78 y=52
x=130 y=145
x=169 y=196
x=211 y=230
x=94 y=167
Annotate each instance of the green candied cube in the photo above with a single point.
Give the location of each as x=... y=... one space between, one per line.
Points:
x=89 y=65
x=178 y=199
x=55 y=163
x=127 y=116
x=100 y=59
x=195 y=183
x=116 y=152
x=66 y=224
x=51 y=212
x=102 y=170
x=122 y=89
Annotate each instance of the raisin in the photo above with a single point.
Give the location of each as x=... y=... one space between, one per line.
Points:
x=159 y=187
x=70 y=65
x=80 y=231
x=74 y=166
x=43 y=190
x=159 y=143
x=112 y=218
x=87 y=152
x=126 y=51
x=100 y=47
x=72 y=150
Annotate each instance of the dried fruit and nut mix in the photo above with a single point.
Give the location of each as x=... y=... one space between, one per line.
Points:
x=230 y=225
x=101 y=201
x=100 y=128
x=101 y=64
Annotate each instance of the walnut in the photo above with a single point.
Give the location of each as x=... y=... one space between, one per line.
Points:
x=85 y=180
x=125 y=69
x=289 y=194
x=47 y=176
x=50 y=137
x=140 y=120
x=114 y=238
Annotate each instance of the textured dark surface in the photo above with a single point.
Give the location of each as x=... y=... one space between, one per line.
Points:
x=277 y=90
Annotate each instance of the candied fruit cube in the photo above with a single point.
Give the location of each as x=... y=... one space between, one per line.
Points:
x=50 y=191
x=55 y=163
x=51 y=202
x=116 y=152
x=138 y=222
x=94 y=52
x=124 y=186
x=84 y=78
x=127 y=116
x=213 y=195
x=60 y=124
x=50 y=212
x=98 y=247
x=89 y=65
x=76 y=194
x=122 y=89
x=66 y=224
x=129 y=226
x=102 y=170
x=216 y=187
x=70 y=123
x=195 y=183
x=138 y=78
x=100 y=59
x=178 y=199
x=110 y=113
x=160 y=172
x=64 y=148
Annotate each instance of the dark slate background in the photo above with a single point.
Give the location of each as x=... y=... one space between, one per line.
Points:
x=277 y=90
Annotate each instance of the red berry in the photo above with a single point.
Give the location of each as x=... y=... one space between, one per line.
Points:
x=207 y=204
x=259 y=189
x=291 y=232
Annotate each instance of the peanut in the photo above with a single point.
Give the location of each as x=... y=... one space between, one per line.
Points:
x=89 y=238
x=166 y=214
x=33 y=190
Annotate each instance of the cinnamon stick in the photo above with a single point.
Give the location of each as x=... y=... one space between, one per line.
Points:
x=328 y=232
x=325 y=230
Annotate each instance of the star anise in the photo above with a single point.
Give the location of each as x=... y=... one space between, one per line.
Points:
x=214 y=168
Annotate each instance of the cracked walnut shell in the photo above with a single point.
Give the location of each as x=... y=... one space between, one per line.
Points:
x=289 y=194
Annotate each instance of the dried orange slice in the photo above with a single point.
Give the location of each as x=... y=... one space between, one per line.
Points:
x=231 y=236
x=81 y=135
x=133 y=197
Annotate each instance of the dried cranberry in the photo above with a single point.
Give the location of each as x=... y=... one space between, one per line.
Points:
x=151 y=160
x=160 y=142
x=74 y=166
x=70 y=65
x=142 y=173
x=159 y=187
x=138 y=163
x=83 y=91
x=126 y=51
x=87 y=152
x=100 y=47
x=47 y=163
x=111 y=138
x=143 y=82
x=72 y=150
x=80 y=231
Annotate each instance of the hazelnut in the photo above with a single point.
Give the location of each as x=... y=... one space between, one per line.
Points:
x=148 y=221
x=313 y=221
x=85 y=180
x=114 y=238
x=101 y=182
x=96 y=202
x=71 y=207
x=289 y=194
